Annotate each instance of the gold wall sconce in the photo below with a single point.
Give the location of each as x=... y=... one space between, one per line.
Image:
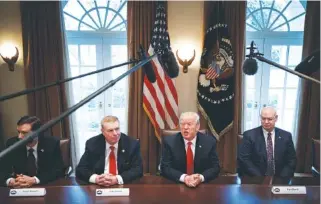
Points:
x=9 y=54
x=185 y=63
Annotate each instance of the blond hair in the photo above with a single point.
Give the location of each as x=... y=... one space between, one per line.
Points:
x=187 y=114
x=109 y=119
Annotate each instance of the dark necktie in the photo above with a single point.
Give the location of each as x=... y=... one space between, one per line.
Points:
x=270 y=159
x=31 y=163
x=189 y=160
x=112 y=161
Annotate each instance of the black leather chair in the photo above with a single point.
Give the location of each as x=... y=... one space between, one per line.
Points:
x=65 y=153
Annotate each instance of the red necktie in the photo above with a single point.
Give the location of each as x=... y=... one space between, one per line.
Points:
x=189 y=159
x=112 y=161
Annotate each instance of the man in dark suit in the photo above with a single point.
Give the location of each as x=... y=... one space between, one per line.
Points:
x=267 y=150
x=38 y=162
x=189 y=156
x=111 y=157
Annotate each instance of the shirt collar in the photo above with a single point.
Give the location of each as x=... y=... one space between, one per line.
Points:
x=108 y=145
x=33 y=147
x=266 y=132
x=193 y=141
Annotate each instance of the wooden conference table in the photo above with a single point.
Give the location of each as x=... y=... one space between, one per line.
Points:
x=156 y=189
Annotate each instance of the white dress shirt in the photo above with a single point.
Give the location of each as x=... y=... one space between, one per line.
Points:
x=265 y=133
x=92 y=178
x=35 y=153
x=181 y=179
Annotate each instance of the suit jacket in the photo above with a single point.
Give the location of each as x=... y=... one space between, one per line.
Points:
x=49 y=160
x=129 y=161
x=252 y=156
x=173 y=162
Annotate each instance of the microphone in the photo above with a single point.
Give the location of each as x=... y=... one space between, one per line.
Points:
x=148 y=68
x=168 y=61
x=310 y=64
x=250 y=65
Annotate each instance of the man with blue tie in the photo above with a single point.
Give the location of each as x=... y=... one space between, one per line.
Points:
x=38 y=162
x=189 y=156
x=111 y=157
x=267 y=150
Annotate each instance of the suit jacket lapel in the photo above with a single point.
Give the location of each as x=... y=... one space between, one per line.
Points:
x=40 y=154
x=100 y=151
x=121 y=153
x=198 y=147
x=262 y=144
x=180 y=144
x=277 y=145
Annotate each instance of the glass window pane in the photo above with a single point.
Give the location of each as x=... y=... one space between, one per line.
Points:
x=84 y=27
x=73 y=55
x=87 y=4
x=74 y=8
x=291 y=98
x=74 y=71
x=294 y=9
x=295 y=55
x=102 y=3
x=297 y=24
x=288 y=119
x=276 y=98
x=94 y=15
x=276 y=77
x=279 y=54
x=292 y=81
x=88 y=54
x=250 y=82
x=89 y=21
x=71 y=23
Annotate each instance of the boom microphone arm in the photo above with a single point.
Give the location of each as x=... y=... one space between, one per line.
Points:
x=54 y=121
x=260 y=57
x=27 y=91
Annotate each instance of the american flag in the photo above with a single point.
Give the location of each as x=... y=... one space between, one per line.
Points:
x=213 y=71
x=160 y=99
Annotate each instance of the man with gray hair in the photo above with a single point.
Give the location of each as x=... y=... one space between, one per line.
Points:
x=111 y=157
x=267 y=150
x=189 y=156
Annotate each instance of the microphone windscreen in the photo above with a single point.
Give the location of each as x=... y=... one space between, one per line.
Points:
x=169 y=64
x=310 y=64
x=250 y=66
x=148 y=68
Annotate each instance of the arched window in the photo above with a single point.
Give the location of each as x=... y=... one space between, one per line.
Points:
x=286 y=16
x=97 y=38
x=276 y=27
x=102 y=16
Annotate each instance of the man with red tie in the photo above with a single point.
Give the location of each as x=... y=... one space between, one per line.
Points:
x=111 y=157
x=267 y=150
x=189 y=156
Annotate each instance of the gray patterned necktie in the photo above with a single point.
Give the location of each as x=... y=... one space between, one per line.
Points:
x=270 y=159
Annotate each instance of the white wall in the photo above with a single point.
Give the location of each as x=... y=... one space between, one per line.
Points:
x=185 y=26
x=10 y=82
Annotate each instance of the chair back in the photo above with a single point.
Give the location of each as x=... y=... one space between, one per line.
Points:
x=65 y=153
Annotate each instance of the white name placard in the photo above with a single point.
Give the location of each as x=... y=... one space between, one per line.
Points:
x=112 y=192
x=27 y=192
x=289 y=190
